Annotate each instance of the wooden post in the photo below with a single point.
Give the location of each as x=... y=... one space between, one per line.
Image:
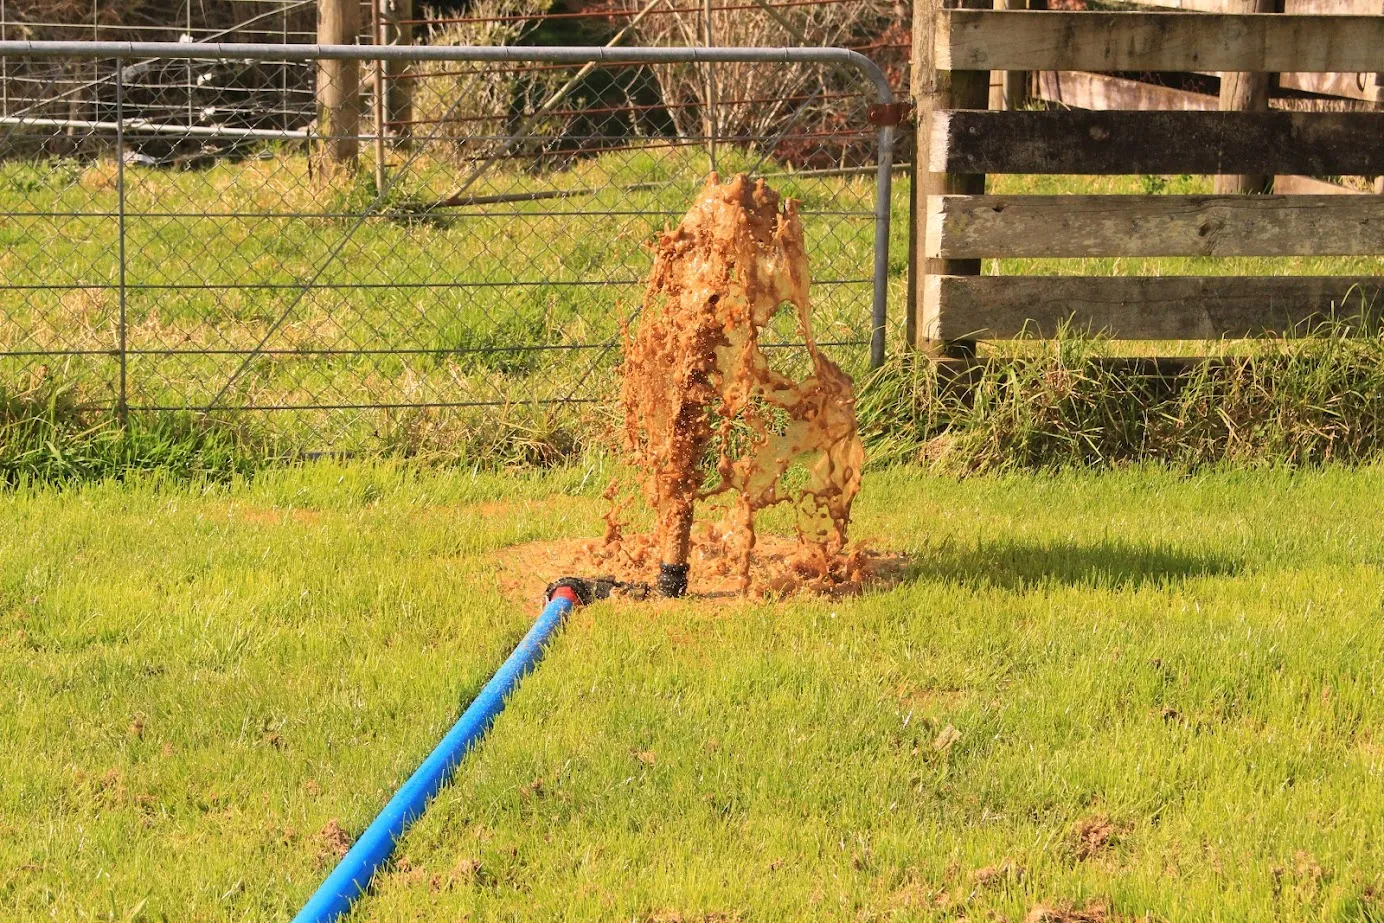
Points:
x=1009 y=89
x=936 y=91
x=338 y=82
x=914 y=282
x=1246 y=92
x=398 y=93
x=709 y=119
x=377 y=94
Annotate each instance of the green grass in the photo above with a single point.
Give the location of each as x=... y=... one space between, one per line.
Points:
x=200 y=678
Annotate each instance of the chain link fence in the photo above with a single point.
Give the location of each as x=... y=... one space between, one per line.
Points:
x=340 y=272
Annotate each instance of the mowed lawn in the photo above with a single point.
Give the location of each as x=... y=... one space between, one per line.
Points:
x=1144 y=692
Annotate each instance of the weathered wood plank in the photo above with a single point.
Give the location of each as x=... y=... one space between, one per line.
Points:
x=1310 y=185
x=1196 y=6
x=1154 y=225
x=1365 y=87
x=1042 y=40
x=1150 y=308
x=1361 y=86
x=1105 y=143
x=1009 y=89
x=1333 y=7
x=1246 y=91
x=1082 y=90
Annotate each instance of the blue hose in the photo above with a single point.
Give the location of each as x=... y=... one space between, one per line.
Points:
x=352 y=876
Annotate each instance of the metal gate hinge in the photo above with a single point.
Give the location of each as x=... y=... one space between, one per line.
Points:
x=889 y=113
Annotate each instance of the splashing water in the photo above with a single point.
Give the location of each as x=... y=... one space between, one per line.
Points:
x=695 y=378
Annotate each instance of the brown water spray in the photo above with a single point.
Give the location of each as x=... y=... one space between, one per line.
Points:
x=695 y=376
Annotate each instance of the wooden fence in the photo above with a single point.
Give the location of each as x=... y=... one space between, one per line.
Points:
x=1289 y=90
x=960 y=142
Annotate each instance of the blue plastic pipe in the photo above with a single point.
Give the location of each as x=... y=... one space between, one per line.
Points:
x=352 y=876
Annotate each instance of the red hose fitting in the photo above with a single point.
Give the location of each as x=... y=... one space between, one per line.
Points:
x=567 y=593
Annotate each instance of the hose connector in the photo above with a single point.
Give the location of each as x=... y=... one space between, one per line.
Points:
x=583 y=591
x=576 y=590
x=672 y=580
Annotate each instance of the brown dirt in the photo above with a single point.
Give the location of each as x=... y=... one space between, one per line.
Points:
x=1066 y=913
x=695 y=378
x=1093 y=836
x=335 y=840
x=467 y=870
x=994 y=874
x=946 y=739
x=776 y=568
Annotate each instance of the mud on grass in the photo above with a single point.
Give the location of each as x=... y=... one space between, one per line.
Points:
x=777 y=569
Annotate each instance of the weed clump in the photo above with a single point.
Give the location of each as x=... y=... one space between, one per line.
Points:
x=48 y=436
x=1068 y=404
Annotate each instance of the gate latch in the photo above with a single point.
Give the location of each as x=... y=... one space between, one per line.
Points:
x=892 y=114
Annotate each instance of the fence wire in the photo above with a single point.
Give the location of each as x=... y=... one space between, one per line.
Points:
x=184 y=241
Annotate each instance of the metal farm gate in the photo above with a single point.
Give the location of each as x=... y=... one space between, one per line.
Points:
x=173 y=245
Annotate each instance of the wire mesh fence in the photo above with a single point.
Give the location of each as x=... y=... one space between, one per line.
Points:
x=339 y=272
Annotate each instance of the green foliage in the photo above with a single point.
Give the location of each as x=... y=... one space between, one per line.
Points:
x=496 y=438
x=1065 y=404
x=46 y=437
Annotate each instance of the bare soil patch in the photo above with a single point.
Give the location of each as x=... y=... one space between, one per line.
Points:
x=777 y=568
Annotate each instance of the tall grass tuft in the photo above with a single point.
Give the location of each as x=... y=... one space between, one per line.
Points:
x=47 y=437
x=1063 y=403
x=496 y=438
x=1300 y=402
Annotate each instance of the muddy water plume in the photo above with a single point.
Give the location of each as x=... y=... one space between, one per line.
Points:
x=705 y=413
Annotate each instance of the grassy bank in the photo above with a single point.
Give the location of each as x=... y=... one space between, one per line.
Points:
x=1061 y=404
x=1139 y=691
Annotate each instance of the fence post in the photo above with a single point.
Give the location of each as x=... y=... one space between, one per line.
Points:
x=1009 y=89
x=338 y=82
x=122 y=400
x=937 y=91
x=398 y=94
x=709 y=119
x=377 y=92
x=1246 y=92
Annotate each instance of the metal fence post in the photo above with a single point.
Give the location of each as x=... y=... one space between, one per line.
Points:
x=890 y=114
x=122 y=406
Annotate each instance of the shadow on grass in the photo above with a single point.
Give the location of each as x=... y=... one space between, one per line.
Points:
x=1017 y=565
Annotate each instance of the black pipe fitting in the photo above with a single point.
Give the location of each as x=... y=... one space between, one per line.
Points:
x=592 y=589
x=672 y=580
